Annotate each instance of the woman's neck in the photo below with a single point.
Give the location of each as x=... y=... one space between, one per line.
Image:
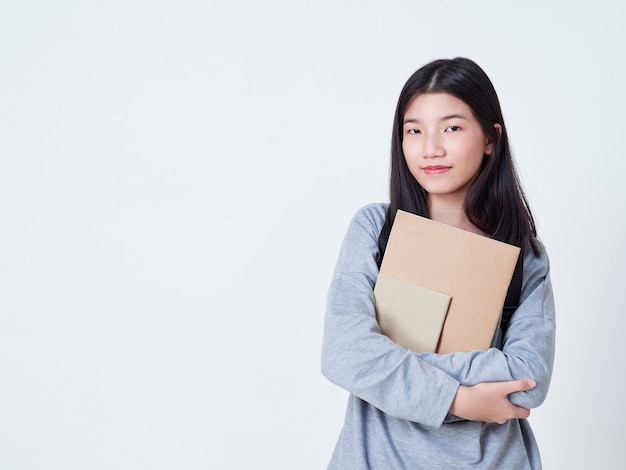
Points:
x=450 y=212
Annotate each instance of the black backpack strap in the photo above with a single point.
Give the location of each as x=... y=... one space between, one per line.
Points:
x=511 y=302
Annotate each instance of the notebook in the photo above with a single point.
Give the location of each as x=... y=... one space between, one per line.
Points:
x=429 y=267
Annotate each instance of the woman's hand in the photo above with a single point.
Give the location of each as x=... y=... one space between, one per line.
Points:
x=489 y=401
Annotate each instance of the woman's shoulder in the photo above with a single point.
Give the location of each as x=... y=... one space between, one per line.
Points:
x=372 y=214
x=537 y=256
x=536 y=267
x=366 y=224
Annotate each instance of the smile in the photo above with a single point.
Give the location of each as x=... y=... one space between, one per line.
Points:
x=436 y=169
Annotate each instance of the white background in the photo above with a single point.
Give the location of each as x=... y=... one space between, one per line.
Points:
x=175 y=182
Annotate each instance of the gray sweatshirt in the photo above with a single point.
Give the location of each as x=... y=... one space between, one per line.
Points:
x=397 y=415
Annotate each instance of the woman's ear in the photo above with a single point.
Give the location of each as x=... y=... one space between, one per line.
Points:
x=499 y=129
x=489 y=144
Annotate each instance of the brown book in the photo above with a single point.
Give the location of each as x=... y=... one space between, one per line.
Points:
x=472 y=270
x=410 y=315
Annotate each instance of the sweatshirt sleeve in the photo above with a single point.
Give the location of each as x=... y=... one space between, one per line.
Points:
x=357 y=357
x=528 y=345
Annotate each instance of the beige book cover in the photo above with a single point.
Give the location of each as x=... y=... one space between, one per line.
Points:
x=410 y=315
x=473 y=270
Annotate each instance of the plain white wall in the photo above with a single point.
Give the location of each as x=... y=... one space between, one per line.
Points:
x=175 y=181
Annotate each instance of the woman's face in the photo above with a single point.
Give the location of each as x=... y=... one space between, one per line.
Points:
x=443 y=144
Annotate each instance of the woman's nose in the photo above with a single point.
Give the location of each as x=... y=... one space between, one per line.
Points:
x=433 y=146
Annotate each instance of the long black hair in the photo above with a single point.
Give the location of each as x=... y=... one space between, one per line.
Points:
x=495 y=202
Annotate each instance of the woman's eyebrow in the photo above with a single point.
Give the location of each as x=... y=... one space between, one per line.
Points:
x=447 y=117
x=453 y=116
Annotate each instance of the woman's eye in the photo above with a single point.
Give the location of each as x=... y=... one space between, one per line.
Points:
x=413 y=131
x=453 y=128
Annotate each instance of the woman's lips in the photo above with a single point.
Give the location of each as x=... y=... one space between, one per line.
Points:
x=435 y=169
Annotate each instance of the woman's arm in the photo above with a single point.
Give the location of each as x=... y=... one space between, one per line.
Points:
x=421 y=387
x=489 y=401
x=528 y=347
x=357 y=357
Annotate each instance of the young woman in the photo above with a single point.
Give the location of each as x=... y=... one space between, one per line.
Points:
x=451 y=162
